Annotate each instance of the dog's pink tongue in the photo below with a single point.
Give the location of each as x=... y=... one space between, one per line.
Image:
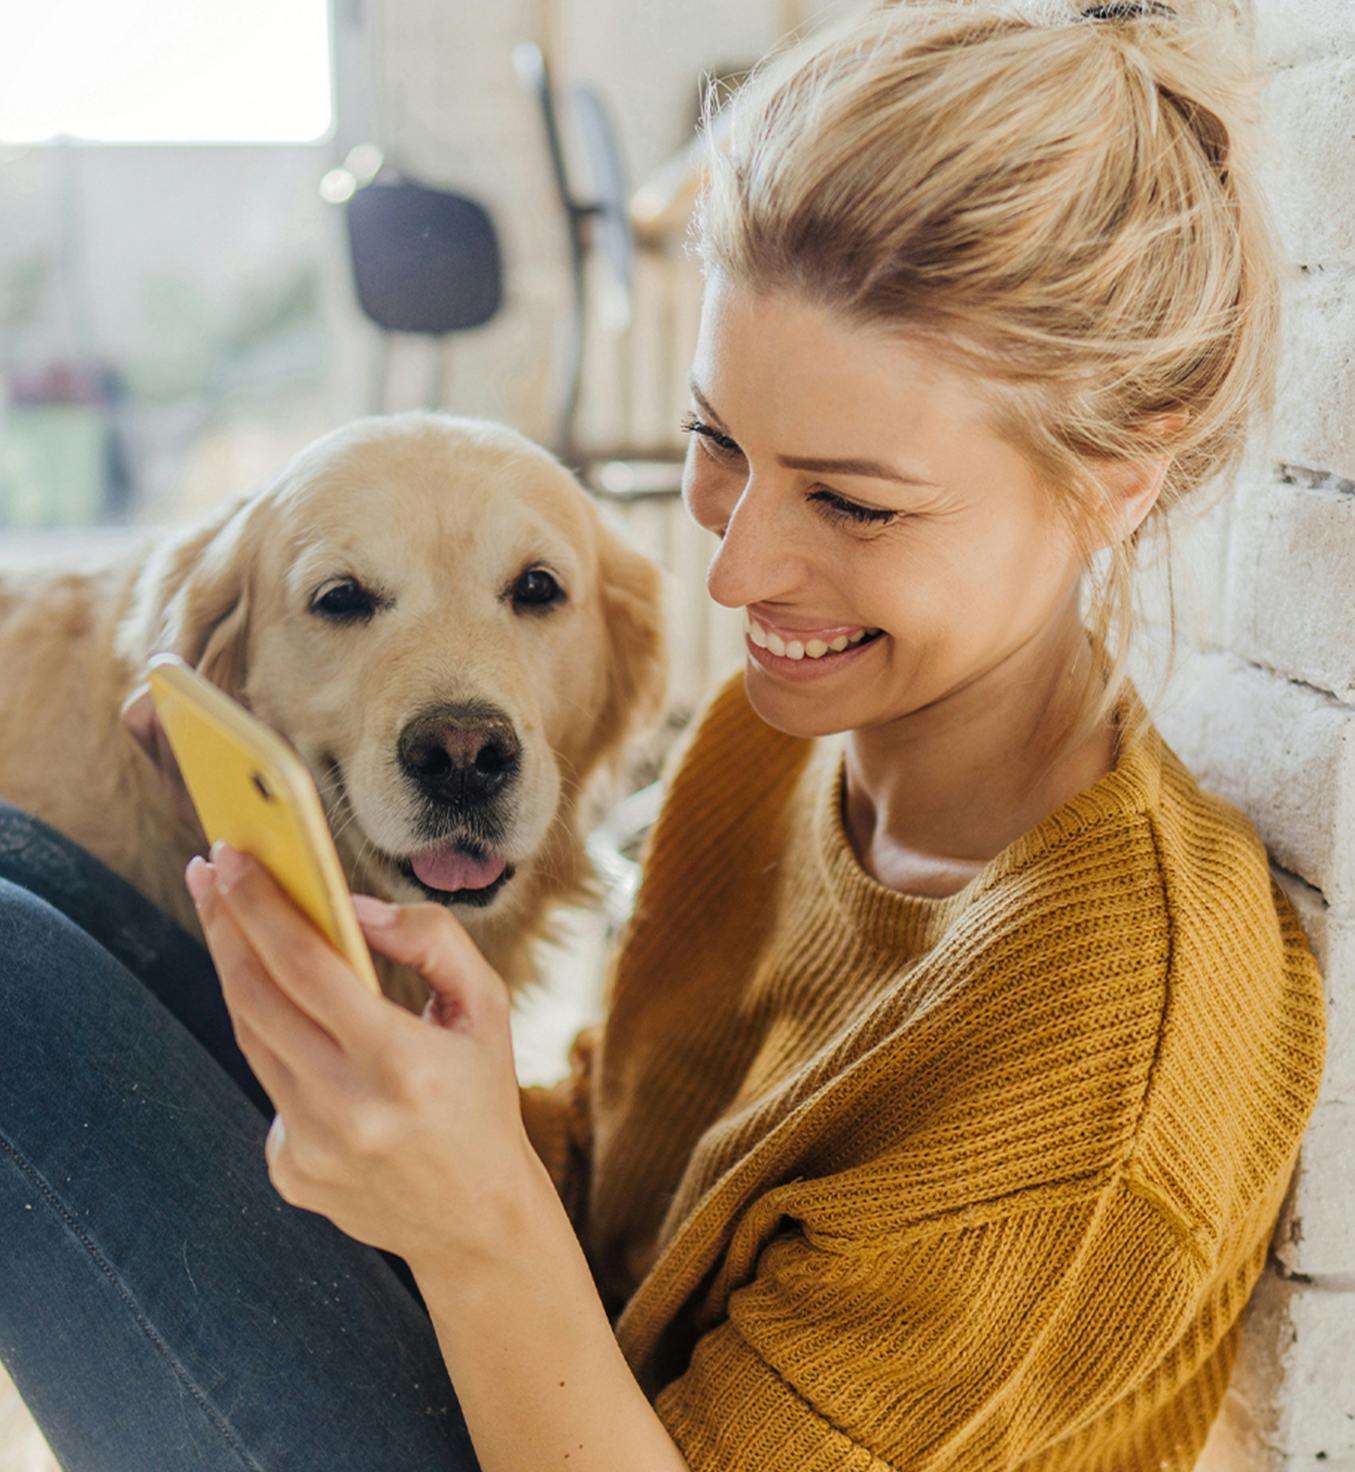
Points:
x=447 y=866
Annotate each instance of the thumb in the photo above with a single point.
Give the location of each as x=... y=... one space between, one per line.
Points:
x=432 y=941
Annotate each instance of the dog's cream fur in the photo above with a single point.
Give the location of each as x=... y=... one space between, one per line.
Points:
x=437 y=514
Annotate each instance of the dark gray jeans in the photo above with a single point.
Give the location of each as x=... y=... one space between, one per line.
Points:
x=161 y=1307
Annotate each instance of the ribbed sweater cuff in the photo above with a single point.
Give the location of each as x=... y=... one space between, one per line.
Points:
x=732 y=1409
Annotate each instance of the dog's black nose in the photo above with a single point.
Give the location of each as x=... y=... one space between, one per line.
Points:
x=460 y=755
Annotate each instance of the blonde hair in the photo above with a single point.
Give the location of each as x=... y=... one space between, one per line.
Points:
x=1062 y=205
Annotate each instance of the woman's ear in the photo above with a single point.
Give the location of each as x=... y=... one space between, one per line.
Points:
x=1130 y=488
x=637 y=646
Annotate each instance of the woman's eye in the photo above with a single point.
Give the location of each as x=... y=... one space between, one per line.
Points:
x=720 y=444
x=838 y=508
x=345 y=602
x=536 y=588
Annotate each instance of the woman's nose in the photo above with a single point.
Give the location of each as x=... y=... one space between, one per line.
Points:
x=754 y=562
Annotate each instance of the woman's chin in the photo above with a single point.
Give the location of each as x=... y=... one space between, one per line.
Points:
x=792 y=710
x=809 y=697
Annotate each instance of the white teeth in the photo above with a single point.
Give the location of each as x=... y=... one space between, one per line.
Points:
x=800 y=649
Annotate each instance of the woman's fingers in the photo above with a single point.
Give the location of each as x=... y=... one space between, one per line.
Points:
x=278 y=1039
x=465 y=988
x=312 y=974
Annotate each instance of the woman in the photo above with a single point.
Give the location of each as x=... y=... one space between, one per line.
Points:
x=958 y=1051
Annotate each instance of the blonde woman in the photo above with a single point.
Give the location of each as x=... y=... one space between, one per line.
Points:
x=958 y=1052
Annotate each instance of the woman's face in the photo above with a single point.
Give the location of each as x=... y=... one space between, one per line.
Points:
x=866 y=514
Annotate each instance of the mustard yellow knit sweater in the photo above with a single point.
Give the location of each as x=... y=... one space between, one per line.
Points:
x=873 y=1181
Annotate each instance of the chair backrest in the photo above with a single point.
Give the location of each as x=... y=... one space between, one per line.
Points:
x=530 y=63
x=612 y=219
x=424 y=260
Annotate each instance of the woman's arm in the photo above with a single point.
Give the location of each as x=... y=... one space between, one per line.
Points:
x=535 y=1363
x=408 y=1134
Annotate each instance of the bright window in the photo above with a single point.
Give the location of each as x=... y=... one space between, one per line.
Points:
x=166 y=71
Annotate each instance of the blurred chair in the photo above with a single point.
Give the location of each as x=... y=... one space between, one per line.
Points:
x=622 y=471
x=425 y=261
x=643 y=482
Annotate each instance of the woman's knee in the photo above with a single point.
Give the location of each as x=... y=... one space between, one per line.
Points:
x=50 y=972
x=73 y=1018
x=37 y=941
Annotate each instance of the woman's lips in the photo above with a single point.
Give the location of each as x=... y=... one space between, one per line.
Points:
x=802 y=631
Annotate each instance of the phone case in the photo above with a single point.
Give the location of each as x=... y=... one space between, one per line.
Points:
x=251 y=788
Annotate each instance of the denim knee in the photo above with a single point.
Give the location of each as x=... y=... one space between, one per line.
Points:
x=33 y=935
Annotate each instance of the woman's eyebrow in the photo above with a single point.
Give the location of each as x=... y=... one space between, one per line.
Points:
x=875 y=469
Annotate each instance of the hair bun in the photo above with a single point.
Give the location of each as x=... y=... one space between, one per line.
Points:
x=1128 y=10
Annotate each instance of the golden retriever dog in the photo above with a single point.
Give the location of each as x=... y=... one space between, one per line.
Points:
x=433 y=613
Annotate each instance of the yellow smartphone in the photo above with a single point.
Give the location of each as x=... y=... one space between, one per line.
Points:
x=251 y=788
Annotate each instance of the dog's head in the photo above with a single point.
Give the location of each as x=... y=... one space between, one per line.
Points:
x=433 y=613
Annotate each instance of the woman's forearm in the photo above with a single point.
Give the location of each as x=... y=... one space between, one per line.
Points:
x=535 y=1364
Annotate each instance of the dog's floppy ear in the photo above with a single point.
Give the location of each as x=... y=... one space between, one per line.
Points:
x=205 y=618
x=637 y=647
x=193 y=598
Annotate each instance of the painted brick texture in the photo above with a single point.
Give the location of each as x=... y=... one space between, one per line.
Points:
x=1262 y=709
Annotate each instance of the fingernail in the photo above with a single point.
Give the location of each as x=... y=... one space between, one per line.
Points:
x=230 y=862
x=200 y=878
x=372 y=911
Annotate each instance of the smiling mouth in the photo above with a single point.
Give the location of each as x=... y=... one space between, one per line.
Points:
x=794 y=660
x=809 y=649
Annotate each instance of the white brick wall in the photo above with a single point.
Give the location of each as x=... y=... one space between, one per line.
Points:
x=1263 y=711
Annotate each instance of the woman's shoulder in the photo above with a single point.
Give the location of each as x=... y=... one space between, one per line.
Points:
x=1242 y=1043
x=1242 y=965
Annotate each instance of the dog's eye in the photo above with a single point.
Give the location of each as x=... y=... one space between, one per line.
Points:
x=348 y=600
x=536 y=588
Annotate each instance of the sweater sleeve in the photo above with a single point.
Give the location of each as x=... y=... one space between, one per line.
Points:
x=969 y=1344
x=558 y=1121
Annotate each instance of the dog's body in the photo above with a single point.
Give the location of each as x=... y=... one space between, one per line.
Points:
x=429 y=609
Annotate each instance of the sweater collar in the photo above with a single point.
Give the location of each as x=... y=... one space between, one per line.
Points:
x=913 y=923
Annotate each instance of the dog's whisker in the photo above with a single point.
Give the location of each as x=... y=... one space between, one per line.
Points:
x=345 y=823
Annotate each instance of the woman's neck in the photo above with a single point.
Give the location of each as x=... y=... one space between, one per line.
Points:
x=933 y=797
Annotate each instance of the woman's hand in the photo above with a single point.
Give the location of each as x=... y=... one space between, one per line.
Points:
x=405 y=1132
